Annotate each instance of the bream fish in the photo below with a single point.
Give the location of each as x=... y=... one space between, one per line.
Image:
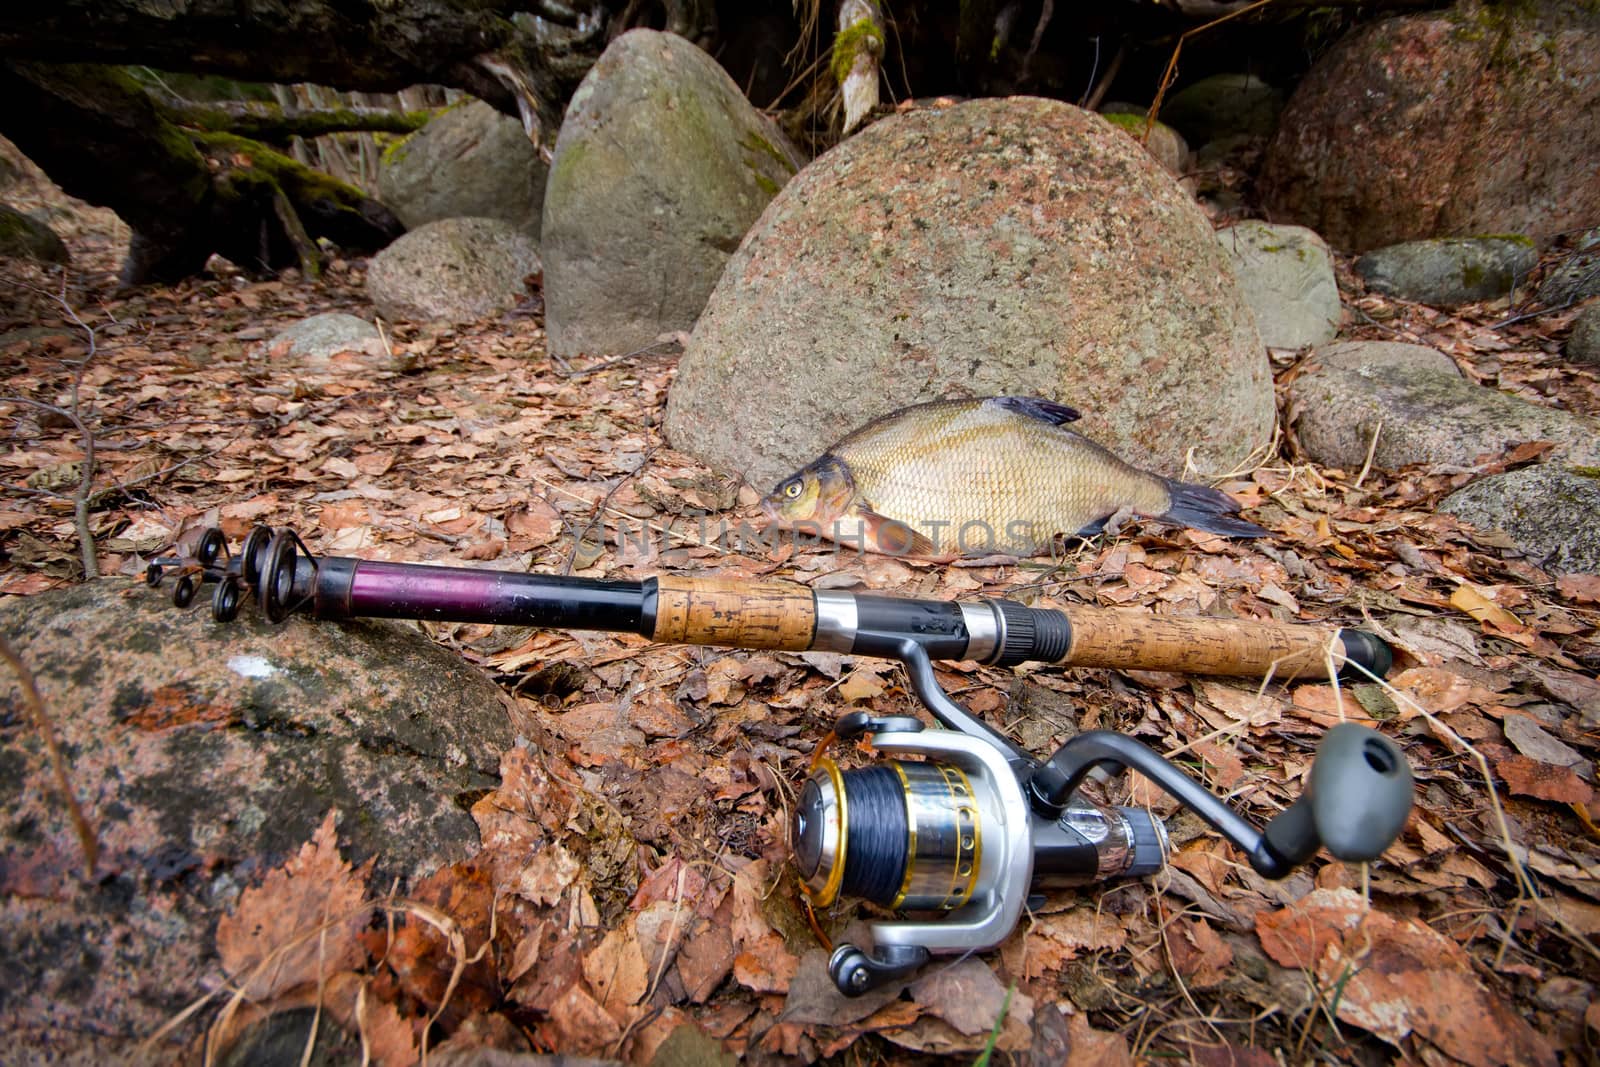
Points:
x=998 y=474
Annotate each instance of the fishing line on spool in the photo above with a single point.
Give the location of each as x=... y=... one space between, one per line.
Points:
x=877 y=847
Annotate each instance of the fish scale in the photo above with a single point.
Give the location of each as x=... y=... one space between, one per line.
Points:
x=960 y=462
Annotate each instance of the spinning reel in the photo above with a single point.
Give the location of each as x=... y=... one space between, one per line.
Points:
x=972 y=830
x=965 y=833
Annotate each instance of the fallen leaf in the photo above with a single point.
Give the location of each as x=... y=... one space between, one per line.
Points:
x=765 y=965
x=1544 y=781
x=548 y=874
x=1238 y=705
x=1471 y=600
x=704 y=961
x=1050 y=941
x=304 y=921
x=1584 y=588
x=859 y=685
x=615 y=970
x=1199 y=953
x=1397 y=977
x=582 y=1026
x=1532 y=740
x=1095 y=1048
x=967 y=995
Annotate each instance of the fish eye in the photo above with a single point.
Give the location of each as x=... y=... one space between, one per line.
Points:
x=791 y=488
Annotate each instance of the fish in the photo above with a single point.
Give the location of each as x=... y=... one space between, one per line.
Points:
x=982 y=476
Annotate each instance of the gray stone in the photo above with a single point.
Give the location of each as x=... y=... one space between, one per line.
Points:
x=1576 y=277
x=1472 y=120
x=660 y=168
x=25 y=237
x=204 y=756
x=1224 y=105
x=469 y=162
x=1286 y=273
x=1450 y=270
x=314 y=341
x=1014 y=245
x=1422 y=410
x=1583 y=343
x=453 y=270
x=1160 y=140
x=1551 y=512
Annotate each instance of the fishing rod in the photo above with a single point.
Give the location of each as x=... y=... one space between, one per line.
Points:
x=969 y=831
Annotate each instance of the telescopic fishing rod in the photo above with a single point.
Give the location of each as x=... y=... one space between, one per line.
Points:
x=968 y=831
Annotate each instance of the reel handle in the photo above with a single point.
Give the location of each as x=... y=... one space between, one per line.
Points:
x=1355 y=805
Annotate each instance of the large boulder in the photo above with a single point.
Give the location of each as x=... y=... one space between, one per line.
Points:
x=453 y=270
x=1421 y=410
x=660 y=168
x=1475 y=120
x=204 y=755
x=471 y=161
x=1550 y=512
x=1286 y=273
x=998 y=246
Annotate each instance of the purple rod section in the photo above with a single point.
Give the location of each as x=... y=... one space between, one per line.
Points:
x=464 y=594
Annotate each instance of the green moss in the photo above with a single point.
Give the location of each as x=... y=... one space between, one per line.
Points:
x=1472 y=275
x=300 y=183
x=754 y=142
x=849 y=43
x=1127 y=120
x=1585 y=472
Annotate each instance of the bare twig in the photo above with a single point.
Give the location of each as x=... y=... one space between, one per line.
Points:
x=598 y=518
x=1171 y=72
x=47 y=734
x=80 y=509
x=80 y=499
x=1372 y=450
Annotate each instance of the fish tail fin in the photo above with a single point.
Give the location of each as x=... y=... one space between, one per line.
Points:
x=1201 y=507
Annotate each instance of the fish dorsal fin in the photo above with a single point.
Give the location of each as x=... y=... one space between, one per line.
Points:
x=1035 y=408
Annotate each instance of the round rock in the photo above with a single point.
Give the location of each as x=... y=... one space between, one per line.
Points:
x=1019 y=246
x=1478 y=119
x=1450 y=270
x=1583 y=343
x=469 y=162
x=1286 y=273
x=1577 y=276
x=453 y=270
x=660 y=168
x=204 y=755
x=1224 y=105
x=1160 y=140
x=1550 y=511
x=313 y=342
x=1421 y=409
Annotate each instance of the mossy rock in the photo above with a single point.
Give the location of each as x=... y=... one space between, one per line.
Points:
x=24 y=237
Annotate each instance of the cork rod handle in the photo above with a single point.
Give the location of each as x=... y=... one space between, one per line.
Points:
x=734 y=613
x=1105 y=637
